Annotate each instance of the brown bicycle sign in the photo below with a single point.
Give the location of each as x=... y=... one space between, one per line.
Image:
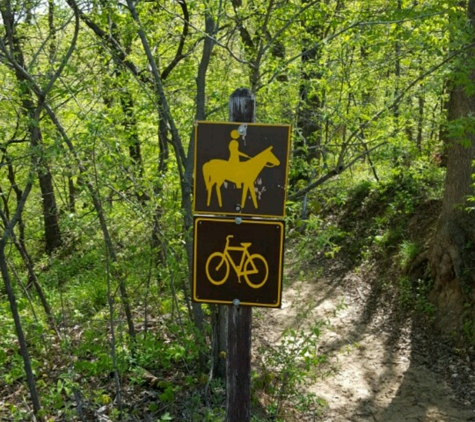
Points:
x=241 y=169
x=238 y=261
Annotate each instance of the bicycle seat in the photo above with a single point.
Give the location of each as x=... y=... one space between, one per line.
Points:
x=246 y=244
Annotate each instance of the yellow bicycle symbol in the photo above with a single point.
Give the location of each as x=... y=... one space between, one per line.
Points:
x=253 y=267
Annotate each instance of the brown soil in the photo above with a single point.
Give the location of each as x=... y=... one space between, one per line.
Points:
x=385 y=364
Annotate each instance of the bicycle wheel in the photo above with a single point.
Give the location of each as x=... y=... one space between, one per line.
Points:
x=217 y=268
x=256 y=271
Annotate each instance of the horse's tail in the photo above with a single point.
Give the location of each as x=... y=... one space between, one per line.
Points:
x=207 y=176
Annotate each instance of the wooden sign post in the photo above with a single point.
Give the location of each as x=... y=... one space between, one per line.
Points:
x=242 y=107
x=240 y=174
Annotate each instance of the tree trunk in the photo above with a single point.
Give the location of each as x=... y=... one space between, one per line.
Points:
x=30 y=378
x=32 y=113
x=50 y=209
x=7 y=233
x=219 y=343
x=310 y=92
x=21 y=246
x=452 y=257
x=420 y=119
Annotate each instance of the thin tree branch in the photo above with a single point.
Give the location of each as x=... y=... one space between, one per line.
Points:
x=66 y=57
x=332 y=173
x=184 y=33
x=163 y=103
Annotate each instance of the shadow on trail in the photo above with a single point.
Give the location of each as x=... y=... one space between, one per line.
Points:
x=399 y=366
x=391 y=365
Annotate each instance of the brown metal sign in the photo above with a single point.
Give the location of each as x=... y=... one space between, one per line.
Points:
x=238 y=263
x=241 y=168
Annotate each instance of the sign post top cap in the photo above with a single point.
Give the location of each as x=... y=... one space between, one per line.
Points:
x=242 y=93
x=242 y=106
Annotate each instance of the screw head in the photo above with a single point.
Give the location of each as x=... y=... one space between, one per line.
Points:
x=242 y=130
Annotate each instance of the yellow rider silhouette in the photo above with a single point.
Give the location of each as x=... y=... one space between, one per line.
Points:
x=234 y=153
x=242 y=173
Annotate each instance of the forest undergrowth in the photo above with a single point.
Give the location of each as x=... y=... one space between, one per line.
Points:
x=90 y=369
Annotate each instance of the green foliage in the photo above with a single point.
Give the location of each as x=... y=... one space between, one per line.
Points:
x=165 y=417
x=469 y=331
x=462 y=130
x=471 y=198
x=414 y=294
x=313 y=236
x=285 y=369
x=408 y=252
x=165 y=354
x=168 y=395
x=58 y=396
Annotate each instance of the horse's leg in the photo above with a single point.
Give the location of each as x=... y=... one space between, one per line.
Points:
x=253 y=195
x=210 y=191
x=243 y=199
x=218 y=191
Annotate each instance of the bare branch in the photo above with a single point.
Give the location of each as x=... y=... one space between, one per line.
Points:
x=179 y=52
x=340 y=168
x=66 y=57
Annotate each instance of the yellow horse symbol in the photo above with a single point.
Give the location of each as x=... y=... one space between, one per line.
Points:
x=243 y=174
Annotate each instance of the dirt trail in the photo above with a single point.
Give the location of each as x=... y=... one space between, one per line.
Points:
x=385 y=370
